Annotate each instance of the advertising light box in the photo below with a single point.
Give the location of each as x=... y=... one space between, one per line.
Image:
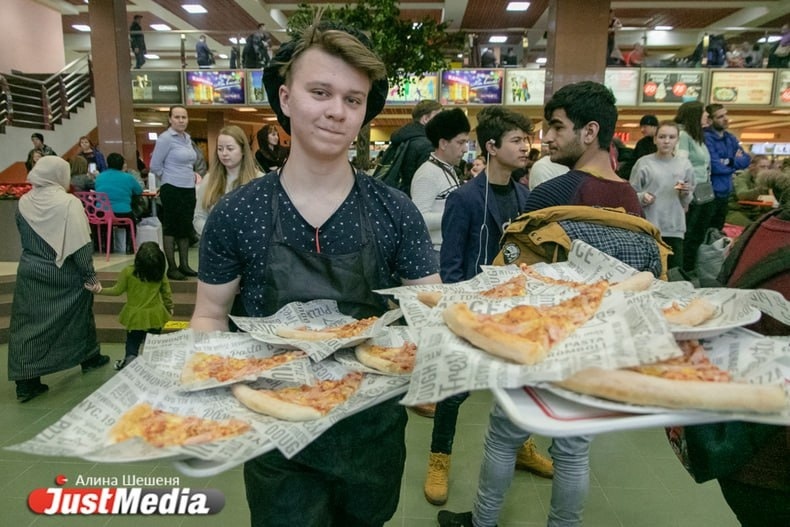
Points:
x=256 y=94
x=156 y=87
x=624 y=83
x=214 y=87
x=525 y=87
x=742 y=88
x=415 y=89
x=671 y=86
x=782 y=98
x=482 y=86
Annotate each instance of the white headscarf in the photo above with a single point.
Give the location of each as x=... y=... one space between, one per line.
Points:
x=53 y=214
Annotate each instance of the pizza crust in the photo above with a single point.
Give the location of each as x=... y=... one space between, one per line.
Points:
x=635 y=388
x=366 y=355
x=304 y=334
x=429 y=298
x=694 y=313
x=638 y=282
x=263 y=403
x=464 y=323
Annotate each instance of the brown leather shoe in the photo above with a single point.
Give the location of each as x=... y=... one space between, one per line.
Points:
x=424 y=410
x=530 y=460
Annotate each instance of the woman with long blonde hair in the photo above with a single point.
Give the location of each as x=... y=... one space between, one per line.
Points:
x=233 y=166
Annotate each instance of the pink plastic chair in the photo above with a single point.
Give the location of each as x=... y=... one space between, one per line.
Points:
x=99 y=212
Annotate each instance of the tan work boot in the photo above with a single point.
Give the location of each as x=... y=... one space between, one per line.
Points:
x=435 y=488
x=424 y=410
x=530 y=460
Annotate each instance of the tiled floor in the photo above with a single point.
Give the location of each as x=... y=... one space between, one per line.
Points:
x=636 y=479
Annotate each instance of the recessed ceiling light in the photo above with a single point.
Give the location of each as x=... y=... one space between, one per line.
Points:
x=460 y=55
x=665 y=28
x=151 y=56
x=517 y=6
x=161 y=27
x=246 y=109
x=194 y=9
x=136 y=120
x=541 y=60
x=781 y=112
x=497 y=39
x=222 y=56
x=772 y=38
x=81 y=27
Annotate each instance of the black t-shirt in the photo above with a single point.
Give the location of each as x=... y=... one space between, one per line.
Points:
x=505 y=196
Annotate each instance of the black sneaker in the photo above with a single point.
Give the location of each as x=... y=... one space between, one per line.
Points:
x=175 y=274
x=97 y=361
x=454 y=519
x=187 y=271
x=122 y=363
x=26 y=393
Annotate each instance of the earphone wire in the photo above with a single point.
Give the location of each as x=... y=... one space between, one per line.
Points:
x=482 y=248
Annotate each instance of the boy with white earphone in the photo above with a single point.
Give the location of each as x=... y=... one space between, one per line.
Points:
x=475 y=216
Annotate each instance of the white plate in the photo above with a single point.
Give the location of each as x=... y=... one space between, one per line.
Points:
x=606 y=404
x=711 y=328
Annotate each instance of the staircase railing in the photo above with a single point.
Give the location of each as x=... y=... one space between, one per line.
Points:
x=34 y=102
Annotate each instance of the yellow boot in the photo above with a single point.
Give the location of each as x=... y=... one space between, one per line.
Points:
x=435 y=488
x=528 y=459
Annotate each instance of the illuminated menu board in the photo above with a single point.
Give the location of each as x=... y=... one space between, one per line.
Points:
x=752 y=88
x=671 y=86
x=256 y=94
x=783 y=89
x=156 y=87
x=415 y=89
x=624 y=83
x=214 y=87
x=525 y=87
x=472 y=86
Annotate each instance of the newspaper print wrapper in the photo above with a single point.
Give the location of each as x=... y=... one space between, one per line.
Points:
x=243 y=346
x=317 y=314
x=748 y=356
x=394 y=336
x=154 y=378
x=625 y=331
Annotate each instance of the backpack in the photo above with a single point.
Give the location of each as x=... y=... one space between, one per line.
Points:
x=388 y=169
x=546 y=235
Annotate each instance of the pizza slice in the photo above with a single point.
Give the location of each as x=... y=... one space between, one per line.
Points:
x=687 y=382
x=516 y=286
x=388 y=359
x=694 y=313
x=161 y=429
x=350 y=330
x=299 y=403
x=639 y=282
x=525 y=334
x=204 y=366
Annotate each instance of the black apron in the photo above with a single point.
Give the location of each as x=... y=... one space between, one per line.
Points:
x=294 y=275
x=351 y=474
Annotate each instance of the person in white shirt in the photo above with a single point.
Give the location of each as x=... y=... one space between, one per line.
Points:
x=543 y=170
x=448 y=132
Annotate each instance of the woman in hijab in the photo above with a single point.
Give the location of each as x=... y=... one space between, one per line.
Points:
x=52 y=325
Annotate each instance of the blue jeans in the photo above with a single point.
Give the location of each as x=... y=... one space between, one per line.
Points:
x=569 y=487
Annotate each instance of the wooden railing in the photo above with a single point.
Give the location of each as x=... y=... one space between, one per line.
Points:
x=41 y=102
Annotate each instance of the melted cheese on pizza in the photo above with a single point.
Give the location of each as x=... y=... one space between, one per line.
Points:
x=206 y=366
x=160 y=428
x=403 y=357
x=694 y=365
x=516 y=286
x=322 y=396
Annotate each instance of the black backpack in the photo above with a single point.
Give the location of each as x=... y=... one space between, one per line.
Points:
x=388 y=169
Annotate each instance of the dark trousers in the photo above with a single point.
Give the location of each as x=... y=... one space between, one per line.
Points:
x=756 y=506
x=698 y=220
x=349 y=477
x=676 y=258
x=135 y=339
x=719 y=215
x=444 y=421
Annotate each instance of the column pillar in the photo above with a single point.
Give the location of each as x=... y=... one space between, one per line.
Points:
x=215 y=121
x=580 y=52
x=112 y=80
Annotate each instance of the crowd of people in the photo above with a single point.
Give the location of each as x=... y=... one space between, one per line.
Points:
x=332 y=232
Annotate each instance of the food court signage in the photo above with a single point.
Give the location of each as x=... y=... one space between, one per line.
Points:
x=752 y=88
x=671 y=86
